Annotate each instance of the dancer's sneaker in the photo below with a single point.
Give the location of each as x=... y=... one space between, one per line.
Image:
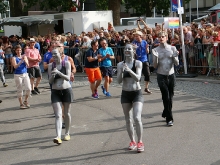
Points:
x=37 y=90
x=140 y=147
x=57 y=140
x=95 y=96
x=103 y=90
x=108 y=94
x=5 y=85
x=132 y=145
x=170 y=123
x=66 y=137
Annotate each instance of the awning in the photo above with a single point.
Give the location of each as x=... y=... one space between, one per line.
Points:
x=27 y=20
x=199 y=19
x=216 y=7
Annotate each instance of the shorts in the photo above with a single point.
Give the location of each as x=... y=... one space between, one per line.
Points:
x=34 y=72
x=8 y=55
x=131 y=96
x=106 y=71
x=93 y=74
x=146 y=71
x=64 y=95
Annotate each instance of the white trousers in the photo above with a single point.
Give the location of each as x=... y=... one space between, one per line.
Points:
x=22 y=81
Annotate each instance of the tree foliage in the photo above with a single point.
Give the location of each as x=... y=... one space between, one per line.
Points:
x=102 y=4
x=145 y=7
x=57 y=5
x=105 y=4
x=3 y=6
x=142 y=7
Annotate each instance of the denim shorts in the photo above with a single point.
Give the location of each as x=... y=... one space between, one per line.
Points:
x=8 y=55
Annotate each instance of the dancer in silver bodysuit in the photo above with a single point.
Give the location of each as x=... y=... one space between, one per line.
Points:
x=165 y=56
x=61 y=94
x=129 y=73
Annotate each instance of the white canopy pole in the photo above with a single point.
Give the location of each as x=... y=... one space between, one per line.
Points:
x=182 y=38
x=197 y=8
x=190 y=12
x=154 y=11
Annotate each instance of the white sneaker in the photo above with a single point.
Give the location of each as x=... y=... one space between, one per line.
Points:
x=132 y=145
x=77 y=55
x=170 y=123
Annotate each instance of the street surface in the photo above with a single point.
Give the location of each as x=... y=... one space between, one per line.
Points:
x=98 y=132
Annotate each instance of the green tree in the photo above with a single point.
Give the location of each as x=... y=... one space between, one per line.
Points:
x=65 y=5
x=145 y=7
x=16 y=8
x=3 y=7
x=111 y=5
x=57 y=5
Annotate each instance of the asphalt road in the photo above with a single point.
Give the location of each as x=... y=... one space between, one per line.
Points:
x=98 y=133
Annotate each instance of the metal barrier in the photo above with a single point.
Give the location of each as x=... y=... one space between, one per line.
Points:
x=200 y=58
x=78 y=55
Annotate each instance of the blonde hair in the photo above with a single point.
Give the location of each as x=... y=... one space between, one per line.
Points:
x=162 y=33
x=215 y=34
x=63 y=39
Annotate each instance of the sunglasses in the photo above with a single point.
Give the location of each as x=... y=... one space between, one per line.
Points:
x=162 y=36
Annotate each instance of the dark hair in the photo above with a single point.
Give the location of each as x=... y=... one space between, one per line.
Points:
x=203 y=19
x=93 y=42
x=102 y=39
x=5 y=39
x=17 y=47
x=195 y=25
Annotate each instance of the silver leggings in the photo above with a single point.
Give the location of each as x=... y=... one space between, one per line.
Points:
x=57 y=107
x=2 y=73
x=136 y=115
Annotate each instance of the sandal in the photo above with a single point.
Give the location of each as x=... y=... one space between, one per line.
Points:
x=147 y=90
x=22 y=106
x=26 y=104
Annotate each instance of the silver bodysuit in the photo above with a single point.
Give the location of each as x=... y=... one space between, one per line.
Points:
x=165 y=56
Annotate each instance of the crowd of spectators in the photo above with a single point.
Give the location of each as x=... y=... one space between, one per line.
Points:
x=201 y=43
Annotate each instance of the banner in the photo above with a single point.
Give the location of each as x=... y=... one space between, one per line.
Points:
x=174 y=4
x=171 y=22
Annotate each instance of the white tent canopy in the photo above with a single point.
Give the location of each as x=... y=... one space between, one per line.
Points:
x=29 y=20
x=199 y=19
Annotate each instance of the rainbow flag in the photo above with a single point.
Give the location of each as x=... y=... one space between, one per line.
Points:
x=173 y=23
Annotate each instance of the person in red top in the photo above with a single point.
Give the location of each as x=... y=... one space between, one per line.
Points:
x=34 y=71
